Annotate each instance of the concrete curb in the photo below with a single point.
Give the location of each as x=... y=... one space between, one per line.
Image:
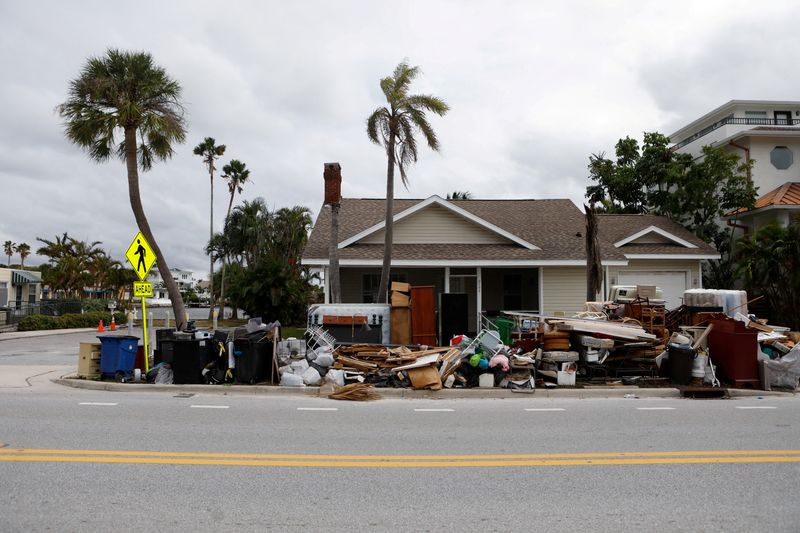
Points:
x=10 y=335
x=384 y=393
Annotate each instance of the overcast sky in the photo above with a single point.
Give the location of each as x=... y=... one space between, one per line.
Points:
x=534 y=87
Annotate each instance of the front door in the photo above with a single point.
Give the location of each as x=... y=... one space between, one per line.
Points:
x=783 y=118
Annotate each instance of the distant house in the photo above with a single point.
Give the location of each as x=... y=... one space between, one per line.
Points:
x=19 y=287
x=526 y=255
x=184 y=279
x=767 y=132
x=779 y=206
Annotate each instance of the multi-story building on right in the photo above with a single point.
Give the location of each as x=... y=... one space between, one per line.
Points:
x=763 y=131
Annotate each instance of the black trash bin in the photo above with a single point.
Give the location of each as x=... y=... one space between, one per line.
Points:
x=187 y=357
x=253 y=360
x=681 y=360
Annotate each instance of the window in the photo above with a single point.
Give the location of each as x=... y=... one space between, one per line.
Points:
x=370 y=283
x=32 y=293
x=781 y=157
x=756 y=117
x=3 y=293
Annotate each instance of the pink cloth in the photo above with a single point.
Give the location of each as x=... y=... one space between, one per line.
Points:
x=501 y=360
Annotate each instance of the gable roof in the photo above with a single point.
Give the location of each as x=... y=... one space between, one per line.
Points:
x=447 y=204
x=555 y=228
x=624 y=231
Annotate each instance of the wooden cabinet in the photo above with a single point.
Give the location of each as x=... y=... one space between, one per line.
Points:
x=423 y=315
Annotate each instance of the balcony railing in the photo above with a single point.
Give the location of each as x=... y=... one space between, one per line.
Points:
x=745 y=121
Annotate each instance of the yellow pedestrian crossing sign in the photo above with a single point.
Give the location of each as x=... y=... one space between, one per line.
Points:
x=141 y=256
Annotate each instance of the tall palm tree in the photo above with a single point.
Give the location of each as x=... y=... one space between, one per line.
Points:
x=24 y=250
x=8 y=248
x=210 y=151
x=394 y=127
x=127 y=91
x=236 y=174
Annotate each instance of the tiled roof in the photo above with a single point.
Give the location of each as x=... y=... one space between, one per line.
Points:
x=786 y=194
x=556 y=227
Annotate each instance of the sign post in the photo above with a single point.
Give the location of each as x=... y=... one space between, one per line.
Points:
x=141 y=257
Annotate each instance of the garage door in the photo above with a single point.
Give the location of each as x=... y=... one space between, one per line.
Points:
x=672 y=283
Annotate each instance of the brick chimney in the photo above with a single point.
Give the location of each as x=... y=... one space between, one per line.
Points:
x=333 y=183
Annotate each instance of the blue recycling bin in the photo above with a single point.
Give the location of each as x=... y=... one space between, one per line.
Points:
x=117 y=354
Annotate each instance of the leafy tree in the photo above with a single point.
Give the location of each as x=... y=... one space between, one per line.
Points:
x=393 y=126
x=8 y=248
x=263 y=275
x=210 y=151
x=656 y=179
x=127 y=91
x=24 y=250
x=769 y=262
x=74 y=265
x=460 y=195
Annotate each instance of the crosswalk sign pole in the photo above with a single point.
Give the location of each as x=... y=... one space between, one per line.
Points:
x=146 y=351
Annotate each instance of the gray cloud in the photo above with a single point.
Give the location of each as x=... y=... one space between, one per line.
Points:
x=534 y=89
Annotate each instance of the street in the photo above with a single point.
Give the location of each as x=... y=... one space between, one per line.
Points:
x=75 y=459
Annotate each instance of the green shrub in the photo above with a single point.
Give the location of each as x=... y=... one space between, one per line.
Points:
x=91 y=306
x=69 y=321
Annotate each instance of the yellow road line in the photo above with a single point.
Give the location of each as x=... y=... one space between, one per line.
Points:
x=331 y=457
x=400 y=464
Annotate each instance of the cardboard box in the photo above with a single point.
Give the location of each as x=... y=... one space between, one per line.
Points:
x=400 y=300
x=426 y=377
x=400 y=286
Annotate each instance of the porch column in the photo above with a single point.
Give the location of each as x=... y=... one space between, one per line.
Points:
x=478 y=297
x=447 y=280
x=326 y=285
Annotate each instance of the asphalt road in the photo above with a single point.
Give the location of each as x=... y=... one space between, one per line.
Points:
x=72 y=459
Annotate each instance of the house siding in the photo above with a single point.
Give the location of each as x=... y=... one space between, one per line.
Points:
x=437 y=225
x=563 y=290
x=690 y=266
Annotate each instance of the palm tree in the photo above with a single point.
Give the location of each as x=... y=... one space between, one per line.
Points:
x=8 y=248
x=394 y=126
x=127 y=91
x=210 y=151
x=236 y=174
x=24 y=251
x=460 y=195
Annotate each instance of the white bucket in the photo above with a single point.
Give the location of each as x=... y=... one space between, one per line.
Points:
x=699 y=366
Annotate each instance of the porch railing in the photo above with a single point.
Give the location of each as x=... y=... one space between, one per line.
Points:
x=750 y=121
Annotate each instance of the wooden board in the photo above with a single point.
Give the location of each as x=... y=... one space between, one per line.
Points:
x=400 y=325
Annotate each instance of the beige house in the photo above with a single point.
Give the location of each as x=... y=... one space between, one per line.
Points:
x=19 y=287
x=522 y=255
x=779 y=206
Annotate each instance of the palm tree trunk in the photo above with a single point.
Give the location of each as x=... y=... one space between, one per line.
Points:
x=222 y=275
x=144 y=227
x=211 y=236
x=383 y=288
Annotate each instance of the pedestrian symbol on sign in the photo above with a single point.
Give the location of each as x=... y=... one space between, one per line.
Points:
x=141 y=256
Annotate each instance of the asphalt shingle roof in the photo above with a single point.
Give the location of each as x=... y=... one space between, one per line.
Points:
x=555 y=226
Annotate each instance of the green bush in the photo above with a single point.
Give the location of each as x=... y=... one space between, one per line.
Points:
x=68 y=321
x=90 y=306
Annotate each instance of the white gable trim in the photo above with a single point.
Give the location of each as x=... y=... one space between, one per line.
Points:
x=654 y=229
x=672 y=256
x=447 y=205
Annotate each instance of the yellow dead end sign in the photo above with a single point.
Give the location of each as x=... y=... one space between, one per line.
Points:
x=141 y=256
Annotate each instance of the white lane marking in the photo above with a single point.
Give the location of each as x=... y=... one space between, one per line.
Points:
x=434 y=410
x=755 y=407
x=546 y=409
x=98 y=403
x=655 y=408
x=210 y=406
x=317 y=408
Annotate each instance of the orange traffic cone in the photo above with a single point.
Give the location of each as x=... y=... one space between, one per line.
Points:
x=100 y=328
x=113 y=324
